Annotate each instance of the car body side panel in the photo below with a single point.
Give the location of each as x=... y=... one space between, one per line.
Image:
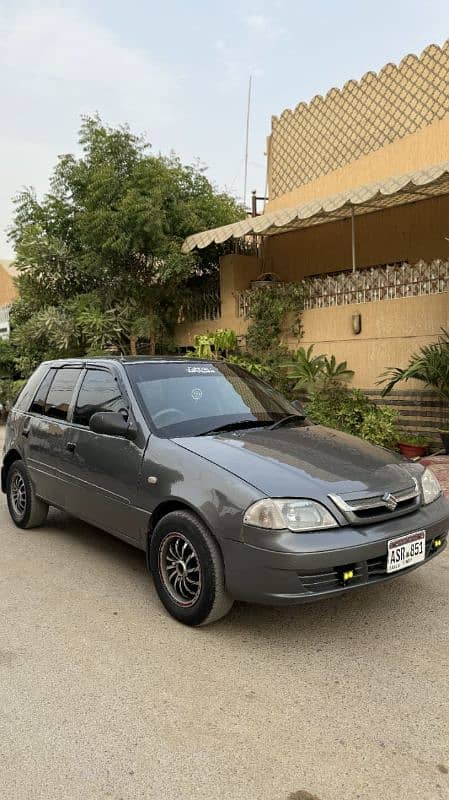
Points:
x=46 y=457
x=105 y=474
x=170 y=472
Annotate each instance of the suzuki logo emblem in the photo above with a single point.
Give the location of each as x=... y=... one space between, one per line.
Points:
x=390 y=501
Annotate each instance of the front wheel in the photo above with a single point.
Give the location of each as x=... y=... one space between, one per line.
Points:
x=27 y=510
x=188 y=569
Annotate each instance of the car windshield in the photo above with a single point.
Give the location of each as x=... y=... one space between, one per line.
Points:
x=189 y=399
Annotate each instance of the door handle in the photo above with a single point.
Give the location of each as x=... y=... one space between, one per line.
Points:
x=71 y=447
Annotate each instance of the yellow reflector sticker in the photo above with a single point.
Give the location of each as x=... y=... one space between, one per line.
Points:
x=348 y=575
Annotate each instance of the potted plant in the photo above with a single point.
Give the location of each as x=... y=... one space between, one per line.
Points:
x=430 y=365
x=413 y=446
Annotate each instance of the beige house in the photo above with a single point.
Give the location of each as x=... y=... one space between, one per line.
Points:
x=358 y=208
x=8 y=293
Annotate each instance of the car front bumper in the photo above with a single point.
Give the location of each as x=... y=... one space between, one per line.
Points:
x=282 y=568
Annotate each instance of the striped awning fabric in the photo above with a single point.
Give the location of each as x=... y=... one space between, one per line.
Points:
x=395 y=191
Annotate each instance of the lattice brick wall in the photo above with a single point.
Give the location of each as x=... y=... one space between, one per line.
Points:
x=363 y=116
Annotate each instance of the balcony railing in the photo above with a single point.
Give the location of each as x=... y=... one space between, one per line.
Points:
x=386 y=282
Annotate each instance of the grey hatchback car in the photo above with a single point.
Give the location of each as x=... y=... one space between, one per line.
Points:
x=227 y=487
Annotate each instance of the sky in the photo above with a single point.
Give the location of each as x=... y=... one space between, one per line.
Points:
x=178 y=71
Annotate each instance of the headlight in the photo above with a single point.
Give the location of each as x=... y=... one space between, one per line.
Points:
x=430 y=485
x=296 y=515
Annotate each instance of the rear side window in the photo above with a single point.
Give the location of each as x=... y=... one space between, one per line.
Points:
x=25 y=397
x=99 y=392
x=60 y=393
x=38 y=404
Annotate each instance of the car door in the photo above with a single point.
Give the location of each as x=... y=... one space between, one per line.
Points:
x=105 y=469
x=44 y=432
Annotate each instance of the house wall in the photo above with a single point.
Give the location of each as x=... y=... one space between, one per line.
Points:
x=391 y=331
x=404 y=233
x=8 y=291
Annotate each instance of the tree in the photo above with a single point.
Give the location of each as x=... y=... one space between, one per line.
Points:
x=100 y=256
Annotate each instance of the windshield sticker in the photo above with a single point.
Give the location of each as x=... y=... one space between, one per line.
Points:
x=201 y=370
x=196 y=394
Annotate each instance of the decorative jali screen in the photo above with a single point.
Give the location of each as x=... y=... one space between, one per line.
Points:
x=388 y=282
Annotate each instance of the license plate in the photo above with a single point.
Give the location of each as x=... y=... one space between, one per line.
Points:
x=406 y=550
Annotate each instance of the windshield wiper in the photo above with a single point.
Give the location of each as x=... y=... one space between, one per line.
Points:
x=286 y=420
x=234 y=426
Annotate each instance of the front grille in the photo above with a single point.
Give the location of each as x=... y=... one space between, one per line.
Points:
x=376 y=508
x=369 y=571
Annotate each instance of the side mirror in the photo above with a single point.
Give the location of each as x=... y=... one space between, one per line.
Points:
x=111 y=423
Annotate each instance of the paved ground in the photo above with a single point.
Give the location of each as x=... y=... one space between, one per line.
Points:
x=104 y=696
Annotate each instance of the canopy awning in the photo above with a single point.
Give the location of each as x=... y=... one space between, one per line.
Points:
x=396 y=191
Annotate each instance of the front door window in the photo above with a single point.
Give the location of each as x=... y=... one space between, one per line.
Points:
x=99 y=392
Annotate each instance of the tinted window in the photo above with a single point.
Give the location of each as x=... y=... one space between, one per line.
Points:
x=25 y=397
x=184 y=398
x=61 y=391
x=99 y=392
x=38 y=404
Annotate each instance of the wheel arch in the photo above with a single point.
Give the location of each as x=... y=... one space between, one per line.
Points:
x=166 y=507
x=9 y=459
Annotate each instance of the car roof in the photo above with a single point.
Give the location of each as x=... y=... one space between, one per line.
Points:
x=61 y=362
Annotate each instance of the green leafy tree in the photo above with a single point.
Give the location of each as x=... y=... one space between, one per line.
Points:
x=100 y=255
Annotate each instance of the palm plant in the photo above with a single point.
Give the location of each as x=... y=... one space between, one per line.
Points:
x=306 y=368
x=317 y=372
x=430 y=365
x=334 y=373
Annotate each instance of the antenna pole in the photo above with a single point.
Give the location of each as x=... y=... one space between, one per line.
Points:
x=247 y=140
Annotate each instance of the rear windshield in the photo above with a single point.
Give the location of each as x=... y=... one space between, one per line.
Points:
x=185 y=399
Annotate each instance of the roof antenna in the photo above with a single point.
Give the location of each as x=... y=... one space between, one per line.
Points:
x=247 y=139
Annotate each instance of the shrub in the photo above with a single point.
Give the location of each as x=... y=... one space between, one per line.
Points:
x=269 y=308
x=351 y=411
x=409 y=438
x=213 y=343
x=252 y=365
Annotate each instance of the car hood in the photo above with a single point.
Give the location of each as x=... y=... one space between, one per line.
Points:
x=304 y=461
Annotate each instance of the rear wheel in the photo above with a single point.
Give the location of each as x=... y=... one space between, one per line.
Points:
x=26 y=510
x=188 y=569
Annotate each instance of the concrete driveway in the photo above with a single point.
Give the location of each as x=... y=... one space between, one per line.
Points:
x=102 y=695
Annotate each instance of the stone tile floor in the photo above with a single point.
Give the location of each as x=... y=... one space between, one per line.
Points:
x=440 y=466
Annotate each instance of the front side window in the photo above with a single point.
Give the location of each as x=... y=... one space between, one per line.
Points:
x=38 y=404
x=187 y=399
x=60 y=393
x=99 y=392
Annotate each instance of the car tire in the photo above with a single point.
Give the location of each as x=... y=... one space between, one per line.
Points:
x=26 y=510
x=187 y=569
